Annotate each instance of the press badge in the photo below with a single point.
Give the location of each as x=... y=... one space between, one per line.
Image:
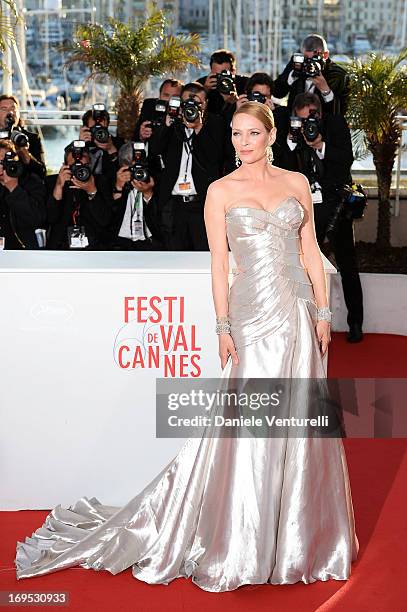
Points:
x=184 y=186
x=137 y=230
x=77 y=238
x=316 y=193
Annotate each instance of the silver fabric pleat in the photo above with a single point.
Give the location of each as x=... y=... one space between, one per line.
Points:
x=230 y=511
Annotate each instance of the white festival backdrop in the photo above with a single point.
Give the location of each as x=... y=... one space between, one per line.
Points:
x=73 y=421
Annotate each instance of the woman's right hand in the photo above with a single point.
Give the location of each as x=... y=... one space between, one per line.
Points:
x=226 y=347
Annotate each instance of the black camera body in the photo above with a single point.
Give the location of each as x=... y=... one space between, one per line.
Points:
x=79 y=170
x=311 y=126
x=12 y=166
x=9 y=123
x=352 y=205
x=139 y=169
x=256 y=96
x=99 y=132
x=190 y=110
x=160 y=110
x=225 y=82
x=309 y=67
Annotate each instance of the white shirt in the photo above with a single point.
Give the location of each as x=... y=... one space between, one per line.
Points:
x=126 y=229
x=185 y=168
x=310 y=87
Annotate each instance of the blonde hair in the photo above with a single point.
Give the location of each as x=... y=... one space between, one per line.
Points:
x=260 y=111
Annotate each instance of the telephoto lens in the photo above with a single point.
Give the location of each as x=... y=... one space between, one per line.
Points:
x=311 y=128
x=79 y=170
x=100 y=133
x=256 y=96
x=190 y=110
x=18 y=138
x=225 y=82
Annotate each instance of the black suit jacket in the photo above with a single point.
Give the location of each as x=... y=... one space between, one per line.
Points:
x=338 y=159
x=37 y=163
x=336 y=78
x=23 y=211
x=207 y=154
x=95 y=214
x=150 y=213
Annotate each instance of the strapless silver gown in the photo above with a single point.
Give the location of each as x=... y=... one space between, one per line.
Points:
x=230 y=511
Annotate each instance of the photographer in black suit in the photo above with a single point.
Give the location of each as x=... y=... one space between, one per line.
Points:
x=135 y=221
x=27 y=144
x=22 y=201
x=313 y=71
x=320 y=147
x=222 y=84
x=191 y=146
x=79 y=203
x=151 y=109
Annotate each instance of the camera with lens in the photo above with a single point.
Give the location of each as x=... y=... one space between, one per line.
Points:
x=160 y=110
x=190 y=110
x=352 y=204
x=9 y=122
x=18 y=138
x=139 y=169
x=311 y=126
x=296 y=129
x=12 y=166
x=225 y=82
x=79 y=170
x=99 y=132
x=307 y=67
x=174 y=104
x=256 y=96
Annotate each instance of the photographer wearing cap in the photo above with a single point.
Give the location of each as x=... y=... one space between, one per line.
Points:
x=191 y=145
x=79 y=206
x=313 y=71
x=222 y=84
x=135 y=224
x=153 y=111
x=22 y=201
x=103 y=147
x=27 y=144
x=319 y=146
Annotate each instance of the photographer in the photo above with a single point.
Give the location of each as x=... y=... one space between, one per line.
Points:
x=191 y=145
x=222 y=84
x=22 y=201
x=320 y=147
x=153 y=109
x=135 y=224
x=313 y=71
x=103 y=147
x=79 y=206
x=27 y=144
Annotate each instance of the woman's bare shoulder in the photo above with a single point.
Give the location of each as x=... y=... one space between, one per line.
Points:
x=223 y=184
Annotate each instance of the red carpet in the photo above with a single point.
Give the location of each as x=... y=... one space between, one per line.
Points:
x=378 y=471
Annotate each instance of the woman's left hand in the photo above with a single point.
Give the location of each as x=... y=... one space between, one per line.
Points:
x=323 y=331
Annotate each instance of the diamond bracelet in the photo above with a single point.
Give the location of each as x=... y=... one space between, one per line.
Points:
x=324 y=314
x=222 y=325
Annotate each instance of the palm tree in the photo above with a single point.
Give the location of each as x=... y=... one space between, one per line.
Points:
x=8 y=21
x=378 y=93
x=130 y=56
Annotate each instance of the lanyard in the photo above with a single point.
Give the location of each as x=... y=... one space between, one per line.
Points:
x=188 y=149
x=135 y=209
x=77 y=208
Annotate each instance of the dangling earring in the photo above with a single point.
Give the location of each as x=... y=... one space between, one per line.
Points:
x=237 y=160
x=269 y=154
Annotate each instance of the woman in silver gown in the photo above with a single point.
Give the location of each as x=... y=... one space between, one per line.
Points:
x=237 y=510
